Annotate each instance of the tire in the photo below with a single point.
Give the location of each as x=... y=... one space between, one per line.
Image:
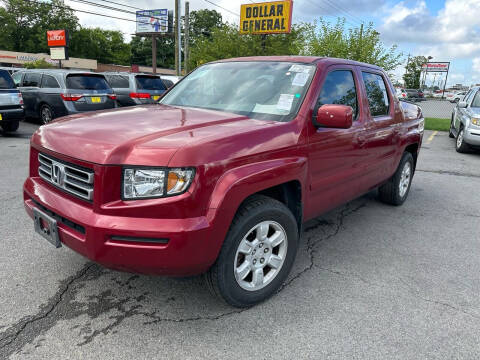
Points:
x=233 y=276
x=395 y=190
x=46 y=114
x=450 y=132
x=10 y=126
x=460 y=145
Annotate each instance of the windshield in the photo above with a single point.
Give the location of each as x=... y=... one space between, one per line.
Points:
x=87 y=82
x=261 y=90
x=150 y=83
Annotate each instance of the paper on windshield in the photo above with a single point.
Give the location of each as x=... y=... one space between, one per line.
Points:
x=300 y=79
x=300 y=68
x=285 y=102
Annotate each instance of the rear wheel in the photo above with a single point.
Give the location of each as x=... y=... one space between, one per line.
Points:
x=460 y=145
x=395 y=190
x=257 y=254
x=10 y=126
x=46 y=114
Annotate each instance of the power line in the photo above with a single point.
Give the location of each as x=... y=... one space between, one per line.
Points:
x=344 y=11
x=221 y=7
x=125 y=5
x=324 y=8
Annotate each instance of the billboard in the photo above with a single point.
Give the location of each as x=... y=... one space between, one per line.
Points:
x=274 y=17
x=152 y=21
x=57 y=38
x=436 y=66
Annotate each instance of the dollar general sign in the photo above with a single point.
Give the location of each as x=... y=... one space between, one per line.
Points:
x=266 y=18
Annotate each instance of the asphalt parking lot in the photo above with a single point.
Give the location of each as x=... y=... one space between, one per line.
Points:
x=371 y=281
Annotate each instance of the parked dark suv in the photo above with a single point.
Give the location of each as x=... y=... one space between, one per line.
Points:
x=53 y=93
x=11 y=103
x=136 y=89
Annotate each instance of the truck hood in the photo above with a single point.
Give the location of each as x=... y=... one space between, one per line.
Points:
x=143 y=135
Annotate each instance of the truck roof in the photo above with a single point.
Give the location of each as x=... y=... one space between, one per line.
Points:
x=300 y=59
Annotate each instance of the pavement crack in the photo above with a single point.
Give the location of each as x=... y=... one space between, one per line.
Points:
x=453 y=173
x=28 y=328
x=314 y=240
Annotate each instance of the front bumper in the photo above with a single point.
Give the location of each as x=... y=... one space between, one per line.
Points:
x=118 y=242
x=472 y=136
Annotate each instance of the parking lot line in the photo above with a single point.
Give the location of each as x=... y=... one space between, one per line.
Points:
x=430 y=138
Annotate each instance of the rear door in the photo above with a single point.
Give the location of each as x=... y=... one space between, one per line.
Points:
x=337 y=156
x=384 y=126
x=30 y=87
x=50 y=94
x=88 y=92
x=150 y=84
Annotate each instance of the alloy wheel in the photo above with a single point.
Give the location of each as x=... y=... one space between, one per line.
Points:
x=260 y=255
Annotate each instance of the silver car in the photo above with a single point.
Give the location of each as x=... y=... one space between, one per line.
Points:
x=465 y=124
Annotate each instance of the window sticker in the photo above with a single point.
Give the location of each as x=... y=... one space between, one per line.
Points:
x=300 y=68
x=285 y=102
x=300 y=79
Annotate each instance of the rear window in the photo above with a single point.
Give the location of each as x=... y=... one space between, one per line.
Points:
x=6 y=81
x=168 y=83
x=117 y=81
x=150 y=83
x=86 y=82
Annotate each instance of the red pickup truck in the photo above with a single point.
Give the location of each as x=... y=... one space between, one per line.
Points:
x=219 y=177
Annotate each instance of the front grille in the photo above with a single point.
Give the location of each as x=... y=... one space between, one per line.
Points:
x=70 y=178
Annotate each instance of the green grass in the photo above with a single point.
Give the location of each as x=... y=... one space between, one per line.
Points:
x=437 y=124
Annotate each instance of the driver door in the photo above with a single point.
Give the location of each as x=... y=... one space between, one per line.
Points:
x=337 y=156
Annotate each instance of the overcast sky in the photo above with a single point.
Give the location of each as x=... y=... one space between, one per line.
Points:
x=448 y=30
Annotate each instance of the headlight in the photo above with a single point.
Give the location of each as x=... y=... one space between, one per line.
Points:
x=476 y=121
x=144 y=183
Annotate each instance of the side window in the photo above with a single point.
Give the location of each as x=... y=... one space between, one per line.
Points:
x=32 y=79
x=476 y=100
x=49 y=81
x=17 y=78
x=377 y=94
x=339 y=88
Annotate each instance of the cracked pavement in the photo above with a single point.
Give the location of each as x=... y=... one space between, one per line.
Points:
x=370 y=281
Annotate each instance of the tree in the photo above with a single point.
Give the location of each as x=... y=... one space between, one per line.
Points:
x=141 y=51
x=25 y=23
x=107 y=46
x=360 y=43
x=226 y=42
x=413 y=71
x=38 y=64
x=202 y=22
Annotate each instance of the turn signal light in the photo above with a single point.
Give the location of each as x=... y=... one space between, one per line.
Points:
x=71 y=97
x=140 y=95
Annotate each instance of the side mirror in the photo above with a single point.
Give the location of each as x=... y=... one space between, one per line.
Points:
x=334 y=116
x=462 y=104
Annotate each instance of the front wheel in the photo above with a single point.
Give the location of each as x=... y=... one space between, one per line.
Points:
x=257 y=254
x=460 y=145
x=395 y=190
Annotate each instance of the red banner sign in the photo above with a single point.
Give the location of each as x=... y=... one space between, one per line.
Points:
x=57 y=38
x=436 y=66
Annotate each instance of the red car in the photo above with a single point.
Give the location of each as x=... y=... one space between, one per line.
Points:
x=220 y=176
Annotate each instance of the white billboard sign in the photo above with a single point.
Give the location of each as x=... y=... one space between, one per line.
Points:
x=152 y=21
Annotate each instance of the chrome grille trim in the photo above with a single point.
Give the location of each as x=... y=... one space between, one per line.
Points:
x=67 y=177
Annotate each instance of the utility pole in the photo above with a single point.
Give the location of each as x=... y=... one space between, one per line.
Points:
x=154 y=54
x=186 y=39
x=359 y=46
x=178 y=44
